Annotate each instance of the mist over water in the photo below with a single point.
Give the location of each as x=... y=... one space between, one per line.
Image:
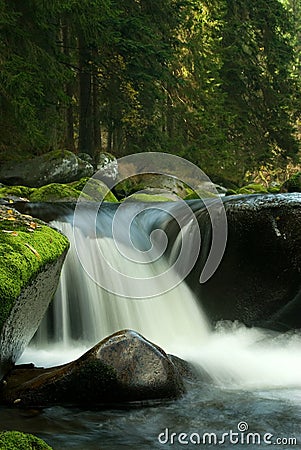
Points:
x=231 y=355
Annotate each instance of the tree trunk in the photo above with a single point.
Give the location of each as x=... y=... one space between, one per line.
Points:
x=96 y=121
x=85 y=143
x=69 y=133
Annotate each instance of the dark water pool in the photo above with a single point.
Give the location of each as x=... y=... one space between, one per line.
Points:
x=273 y=418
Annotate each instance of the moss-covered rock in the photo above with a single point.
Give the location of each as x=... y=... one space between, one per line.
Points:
x=31 y=256
x=96 y=189
x=57 y=166
x=253 y=188
x=14 y=440
x=107 y=168
x=274 y=189
x=54 y=192
x=147 y=198
x=293 y=184
x=148 y=181
x=15 y=191
x=202 y=193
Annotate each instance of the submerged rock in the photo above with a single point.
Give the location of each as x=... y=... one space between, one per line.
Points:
x=58 y=166
x=31 y=258
x=125 y=367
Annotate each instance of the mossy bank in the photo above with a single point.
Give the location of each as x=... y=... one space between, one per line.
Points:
x=14 y=440
x=30 y=252
x=54 y=192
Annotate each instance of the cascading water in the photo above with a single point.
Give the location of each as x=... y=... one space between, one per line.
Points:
x=83 y=312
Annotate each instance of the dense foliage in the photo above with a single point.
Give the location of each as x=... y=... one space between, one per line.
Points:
x=216 y=82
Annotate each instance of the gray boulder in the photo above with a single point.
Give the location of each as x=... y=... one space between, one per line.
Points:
x=59 y=166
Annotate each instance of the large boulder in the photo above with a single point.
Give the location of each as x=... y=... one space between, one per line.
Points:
x=258 y=281
x=32 y=255
x=124 y=367
x=58 y=166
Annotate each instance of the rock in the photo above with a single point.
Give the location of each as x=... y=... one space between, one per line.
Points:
x=252 y=188
x=31 y=257
x=186 y=370
x=15 y=440
x=95 y=189
x=59 y=166
x=124 y=367
x=260 y=271
x=85 y=157
x=15 y=192
x=149 y=196
x=107 y=168
x=146 y=181
x=293 y=184
x=55 y=192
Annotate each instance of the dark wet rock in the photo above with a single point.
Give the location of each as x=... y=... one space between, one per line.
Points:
x=125 y=367
x=59 y=166
x=31 y=258
x=186 y=369
x=260 y=271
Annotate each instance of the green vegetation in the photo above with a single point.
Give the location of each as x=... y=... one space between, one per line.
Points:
x=26 y=246
x=293 y=184
x=53 y=192
x=144 y=197
x=14 y=440
x=215 y=82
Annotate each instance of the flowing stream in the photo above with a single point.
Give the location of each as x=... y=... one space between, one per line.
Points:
x=251 y=375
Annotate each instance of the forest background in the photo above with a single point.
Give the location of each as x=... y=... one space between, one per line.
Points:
x=216 y=82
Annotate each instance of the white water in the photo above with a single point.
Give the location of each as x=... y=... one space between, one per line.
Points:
x=232 y=355
x=84 y=313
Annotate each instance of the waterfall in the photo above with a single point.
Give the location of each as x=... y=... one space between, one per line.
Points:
x=83 y=312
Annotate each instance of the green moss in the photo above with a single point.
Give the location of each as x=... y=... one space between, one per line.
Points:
x=201 y=194
x=96 y=189
x=56 y=155
x=25 y=247
x=231 y=192
x=70 y=192
x=274 y=189
x=14 y=440
x=54 y=192
x=142 y=197
x=253 y=188
x=18 y=191
x=293 y=184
